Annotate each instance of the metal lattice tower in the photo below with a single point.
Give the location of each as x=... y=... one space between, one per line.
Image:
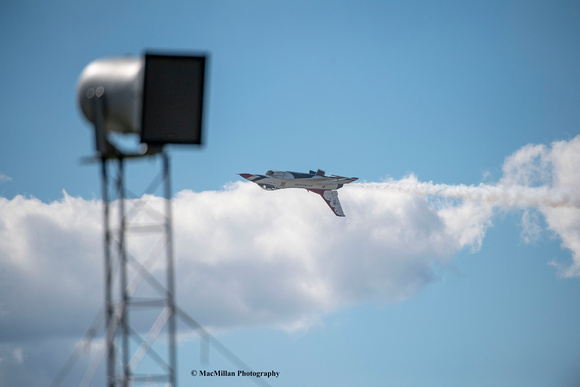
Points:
x=159 y=97
x=139 y=278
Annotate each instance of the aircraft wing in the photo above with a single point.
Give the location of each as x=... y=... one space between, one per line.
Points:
x=331 y=198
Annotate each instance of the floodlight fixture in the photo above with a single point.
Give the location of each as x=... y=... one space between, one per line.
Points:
x=160 y=97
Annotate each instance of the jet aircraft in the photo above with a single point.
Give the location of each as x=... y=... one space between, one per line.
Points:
x=316 y=182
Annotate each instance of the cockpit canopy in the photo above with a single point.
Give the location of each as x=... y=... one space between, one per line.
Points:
x=267 y=187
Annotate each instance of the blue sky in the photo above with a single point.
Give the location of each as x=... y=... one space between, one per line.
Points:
x=408 y=289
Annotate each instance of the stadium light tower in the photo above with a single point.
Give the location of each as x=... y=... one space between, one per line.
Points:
x=160 y=98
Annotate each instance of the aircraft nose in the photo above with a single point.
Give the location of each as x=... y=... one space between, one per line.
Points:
x=245 y=175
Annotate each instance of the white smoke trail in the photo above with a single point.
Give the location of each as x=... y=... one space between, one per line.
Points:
x=496 y=195
x=547 y=177
x=540 y=177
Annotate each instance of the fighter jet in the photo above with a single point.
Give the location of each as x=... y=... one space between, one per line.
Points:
x=316 y=182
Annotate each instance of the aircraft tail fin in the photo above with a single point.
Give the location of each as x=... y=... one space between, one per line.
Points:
x=331 y=198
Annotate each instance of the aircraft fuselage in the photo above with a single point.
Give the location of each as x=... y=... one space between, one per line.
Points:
x=315 y=182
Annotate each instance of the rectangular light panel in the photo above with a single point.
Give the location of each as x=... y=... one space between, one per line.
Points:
x=173 y=93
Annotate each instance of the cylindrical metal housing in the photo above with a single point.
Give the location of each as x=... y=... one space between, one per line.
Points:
x=120 y=82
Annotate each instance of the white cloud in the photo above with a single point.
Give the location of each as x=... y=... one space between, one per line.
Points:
x=531 y=228
x=4 y=178
x=18 y=354
x=247 y=257
x=557 y=170
x=253 y=257
x=50 y=259
x=244 y=256
x=528 y=167
x=565 y=159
